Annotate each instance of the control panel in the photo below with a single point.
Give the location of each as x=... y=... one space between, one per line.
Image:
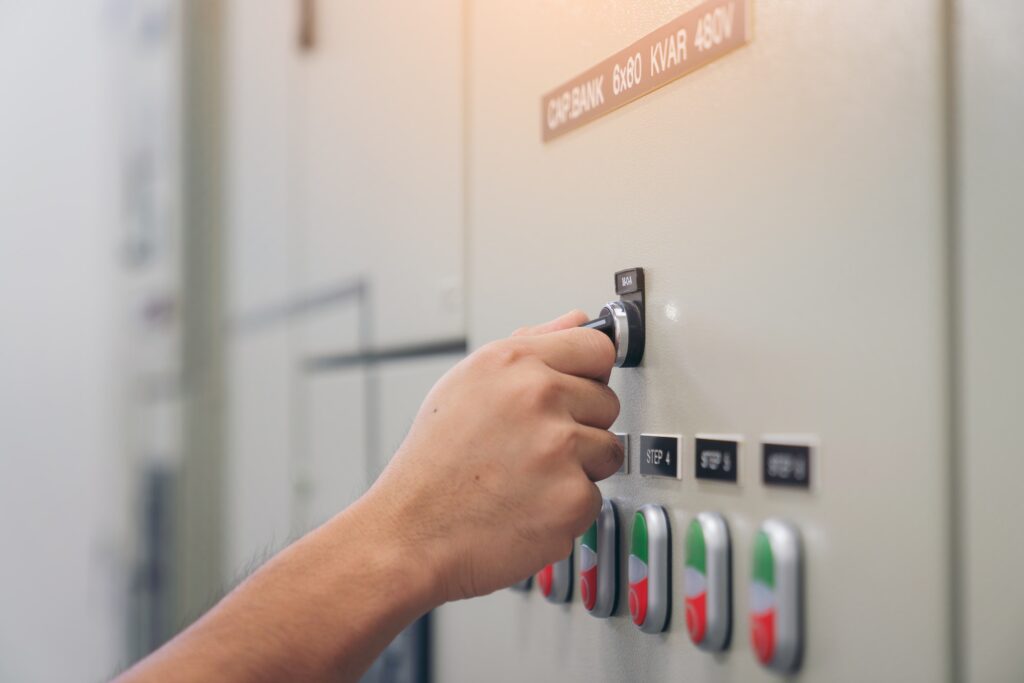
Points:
x=773 y=593
x=779 y=210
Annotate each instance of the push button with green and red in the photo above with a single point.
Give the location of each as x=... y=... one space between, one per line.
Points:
x=649 y=552
x=555 y=580
x=706 y=581
x=599 y=552
x=776 y=590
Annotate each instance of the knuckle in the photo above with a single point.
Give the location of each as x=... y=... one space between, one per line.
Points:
x=610 y=406
x=567 y=439
x=543 y=391
x=502 y=353
x=614 y=455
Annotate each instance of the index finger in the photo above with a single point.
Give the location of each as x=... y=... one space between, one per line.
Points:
x=576 y=351
x=565 y=321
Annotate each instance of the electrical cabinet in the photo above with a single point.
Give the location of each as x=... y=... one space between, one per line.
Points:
x=787 y=203
x=403 y=386
x=258 y=449
x=989 y=337
x=343 y=202
x=334 y=470
x=259 y=61
x=377 y=127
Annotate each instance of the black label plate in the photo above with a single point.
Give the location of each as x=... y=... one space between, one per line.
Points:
x=716 y=459
x=786 y=465
x=629 y=281
x=659 y=456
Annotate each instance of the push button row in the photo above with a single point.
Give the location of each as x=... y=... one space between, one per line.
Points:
x=775 y=590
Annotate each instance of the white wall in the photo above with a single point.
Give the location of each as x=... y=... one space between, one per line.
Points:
x=60 y=484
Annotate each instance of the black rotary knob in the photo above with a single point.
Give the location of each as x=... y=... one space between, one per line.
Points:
x=624 y=325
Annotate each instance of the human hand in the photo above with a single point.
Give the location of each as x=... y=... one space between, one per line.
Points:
x=496 y=477
x=494 y=481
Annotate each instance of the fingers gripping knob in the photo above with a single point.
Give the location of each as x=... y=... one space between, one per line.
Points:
x=623 y=323
x=623 y=320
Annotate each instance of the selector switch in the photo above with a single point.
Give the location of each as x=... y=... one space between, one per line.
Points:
x=776 y=596
x=649 y=557
x=599 y=555
x=623 y=321
x=707 y=582
x=555 y=580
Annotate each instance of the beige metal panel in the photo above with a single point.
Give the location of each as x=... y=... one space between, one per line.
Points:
x=259 y=54
x=786 y=201
x=378 y=127
x=990 y=107
x=259 y=434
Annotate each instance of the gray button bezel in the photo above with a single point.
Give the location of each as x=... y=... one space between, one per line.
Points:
x=659 y=553
x=561 y=581
x=787 y=553
x=607 y=561
x=718 y=562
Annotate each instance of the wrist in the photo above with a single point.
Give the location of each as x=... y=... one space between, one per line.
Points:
x=400 y=559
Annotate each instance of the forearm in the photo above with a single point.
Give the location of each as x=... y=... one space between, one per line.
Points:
x=494 y=480
x=320 y=610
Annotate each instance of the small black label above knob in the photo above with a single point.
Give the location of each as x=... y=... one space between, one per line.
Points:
x=629 y=281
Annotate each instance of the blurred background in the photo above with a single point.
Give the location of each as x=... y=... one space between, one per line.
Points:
x=239 y=241
x=167 y=302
